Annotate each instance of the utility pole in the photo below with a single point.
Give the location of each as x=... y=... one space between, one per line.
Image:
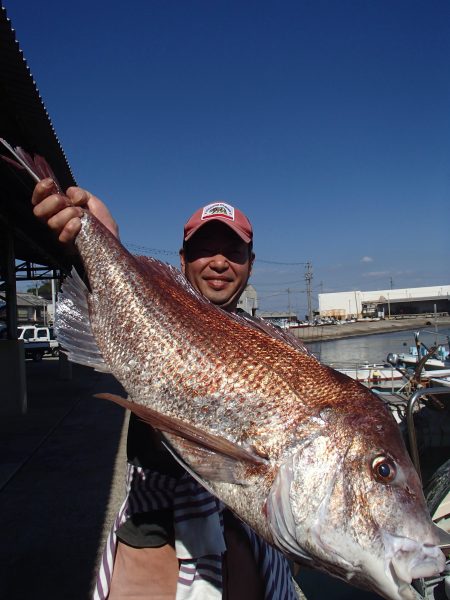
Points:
x=289 y=303
x=308 y=280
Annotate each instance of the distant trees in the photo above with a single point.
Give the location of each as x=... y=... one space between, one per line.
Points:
x=44 y=290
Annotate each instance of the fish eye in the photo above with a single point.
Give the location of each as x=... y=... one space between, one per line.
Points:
x=384 y=469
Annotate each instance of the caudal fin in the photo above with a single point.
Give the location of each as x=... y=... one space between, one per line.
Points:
x=37 y=167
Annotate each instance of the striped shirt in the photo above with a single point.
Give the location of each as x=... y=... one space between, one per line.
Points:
x=199 y=539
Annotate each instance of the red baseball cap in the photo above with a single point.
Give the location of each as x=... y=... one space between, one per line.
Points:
x=220 y=211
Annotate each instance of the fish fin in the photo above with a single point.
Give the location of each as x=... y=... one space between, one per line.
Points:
x=37 y=167
x=73 y=325
x=177 y=427
x=204 y=462
x=168 y=275
x=203 y=482
x=171 y=274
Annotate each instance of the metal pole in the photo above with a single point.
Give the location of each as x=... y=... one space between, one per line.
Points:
x=53 y=296
x=435 y=325
x=308 y=280
x=10 y=280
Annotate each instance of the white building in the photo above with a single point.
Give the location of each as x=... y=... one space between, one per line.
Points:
x=249 y=300
x=385 y=302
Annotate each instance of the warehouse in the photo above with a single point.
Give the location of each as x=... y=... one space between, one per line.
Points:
x=386 y=303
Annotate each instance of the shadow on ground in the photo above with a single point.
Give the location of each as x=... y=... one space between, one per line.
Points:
x=56 y=472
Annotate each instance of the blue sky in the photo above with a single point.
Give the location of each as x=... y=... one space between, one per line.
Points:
x=326 y=122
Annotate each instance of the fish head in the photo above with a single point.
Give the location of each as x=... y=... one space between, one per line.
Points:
x=348 y=501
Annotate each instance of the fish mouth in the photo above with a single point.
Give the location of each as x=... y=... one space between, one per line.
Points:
x=407 y=559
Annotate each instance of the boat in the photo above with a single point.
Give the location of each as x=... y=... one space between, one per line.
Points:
x=424 y=367
x=383 y=377
x=435 y=358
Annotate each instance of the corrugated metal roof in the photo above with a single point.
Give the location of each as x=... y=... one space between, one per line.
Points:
x=29 y=124
x=24 y=121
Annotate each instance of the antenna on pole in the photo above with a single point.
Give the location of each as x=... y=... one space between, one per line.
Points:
x=308 y=280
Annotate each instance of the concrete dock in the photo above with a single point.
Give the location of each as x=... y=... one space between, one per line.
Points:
x=62 y=471
x=323 y=333
x=61 y=482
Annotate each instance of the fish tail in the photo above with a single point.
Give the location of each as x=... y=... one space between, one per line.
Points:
x=37 y=167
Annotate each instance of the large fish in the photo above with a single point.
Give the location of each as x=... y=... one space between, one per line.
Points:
x=309 y=458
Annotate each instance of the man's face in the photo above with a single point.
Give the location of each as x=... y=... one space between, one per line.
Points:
x=217 y=263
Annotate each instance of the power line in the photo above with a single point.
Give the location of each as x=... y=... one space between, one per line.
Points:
x=151 y=251
x=271 y=262
x=147 y=251
x=282 y=292
x=278 y=285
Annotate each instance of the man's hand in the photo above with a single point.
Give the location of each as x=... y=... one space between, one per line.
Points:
x=62 y=212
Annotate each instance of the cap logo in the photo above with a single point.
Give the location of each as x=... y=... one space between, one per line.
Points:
x=218 y=209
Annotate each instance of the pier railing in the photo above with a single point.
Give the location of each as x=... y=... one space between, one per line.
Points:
x=385 y=377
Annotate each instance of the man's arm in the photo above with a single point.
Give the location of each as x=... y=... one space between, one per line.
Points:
x=62 y=212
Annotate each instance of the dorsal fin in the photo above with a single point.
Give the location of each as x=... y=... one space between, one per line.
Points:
x=171 y=274
x=163 y=272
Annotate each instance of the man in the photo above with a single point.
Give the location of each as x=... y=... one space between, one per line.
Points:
x=171 y=538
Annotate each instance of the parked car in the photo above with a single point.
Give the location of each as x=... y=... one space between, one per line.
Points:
x=38 y=341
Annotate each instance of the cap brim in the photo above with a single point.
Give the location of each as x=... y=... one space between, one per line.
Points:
x=247 y=239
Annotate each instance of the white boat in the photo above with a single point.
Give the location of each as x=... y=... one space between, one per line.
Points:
x=436 y=378
x=377 y=376
x=425 y=367
x=434 y=358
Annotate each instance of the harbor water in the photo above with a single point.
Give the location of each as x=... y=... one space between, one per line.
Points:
x=374 y=348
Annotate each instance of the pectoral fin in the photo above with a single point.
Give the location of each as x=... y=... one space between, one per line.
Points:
x=221 y=449
x=73 y=325
x=206 y=465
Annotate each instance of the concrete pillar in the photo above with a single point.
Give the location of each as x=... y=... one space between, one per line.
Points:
x=13 y=395
x=8 y=268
